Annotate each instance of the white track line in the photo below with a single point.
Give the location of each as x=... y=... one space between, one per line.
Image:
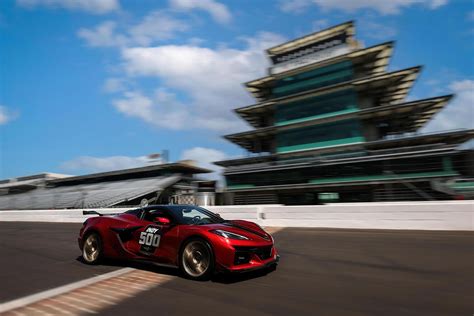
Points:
x=59 y=290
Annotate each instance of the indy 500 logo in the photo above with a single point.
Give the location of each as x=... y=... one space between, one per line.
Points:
x=150 y=239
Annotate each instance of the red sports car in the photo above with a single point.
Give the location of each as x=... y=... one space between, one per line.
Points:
x=188 y=237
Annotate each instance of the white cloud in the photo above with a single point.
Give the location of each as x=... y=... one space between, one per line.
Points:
x=205 y=158
x=91 y=6
x=217 y=10
x=459 y=113
x=434 y=4
x=5 y=115
x=379 y=31
x=320 y=24
x=162 y=109
x=156 y=26
x=210 y=78
x=294 y=6
x=470 y=16
x=196 y=41
x=88 y=164
x=103 y=35
x=113 y=85
x=382 y=6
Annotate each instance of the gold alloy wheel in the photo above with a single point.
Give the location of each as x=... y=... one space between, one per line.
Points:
x=196 y=259
x=91 y=248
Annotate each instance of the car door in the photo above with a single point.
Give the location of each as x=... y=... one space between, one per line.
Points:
x=154 y=240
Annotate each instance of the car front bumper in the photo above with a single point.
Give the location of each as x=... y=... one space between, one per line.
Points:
x=244 y=268
x=266 y=265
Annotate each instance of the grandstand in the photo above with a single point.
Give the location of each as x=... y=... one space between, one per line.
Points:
x=161 y=183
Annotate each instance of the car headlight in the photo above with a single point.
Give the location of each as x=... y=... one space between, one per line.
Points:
x=228 y=235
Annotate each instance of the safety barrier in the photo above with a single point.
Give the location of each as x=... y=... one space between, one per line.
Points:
x=446 y=215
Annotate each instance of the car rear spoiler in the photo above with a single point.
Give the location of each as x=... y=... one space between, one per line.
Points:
x=91 y=213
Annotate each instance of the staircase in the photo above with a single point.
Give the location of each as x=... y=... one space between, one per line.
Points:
x=255 y=198
x=455 y=187
x=421 y=191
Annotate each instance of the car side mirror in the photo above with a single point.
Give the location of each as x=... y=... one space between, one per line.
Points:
x=162 y=220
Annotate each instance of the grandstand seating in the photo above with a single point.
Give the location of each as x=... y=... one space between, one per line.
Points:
x=93 y=195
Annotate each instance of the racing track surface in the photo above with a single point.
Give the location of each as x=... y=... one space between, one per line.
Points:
x=38 y=256
x=322 y=272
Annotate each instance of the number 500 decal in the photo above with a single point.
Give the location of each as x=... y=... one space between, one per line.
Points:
x=150 y=238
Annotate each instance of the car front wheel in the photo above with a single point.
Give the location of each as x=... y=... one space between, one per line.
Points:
x=197 y=259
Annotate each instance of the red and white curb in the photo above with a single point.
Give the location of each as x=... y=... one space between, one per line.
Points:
x=88 y=296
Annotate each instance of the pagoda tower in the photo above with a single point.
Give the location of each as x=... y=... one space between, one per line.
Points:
x=332 y=124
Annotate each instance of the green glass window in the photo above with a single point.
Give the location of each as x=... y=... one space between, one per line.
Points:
x=324 y=135
x=407 y=168
x=340 y=102
x=313 y=79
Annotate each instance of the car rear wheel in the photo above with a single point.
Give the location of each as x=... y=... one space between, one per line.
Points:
x=92 y=249
x=197 y=260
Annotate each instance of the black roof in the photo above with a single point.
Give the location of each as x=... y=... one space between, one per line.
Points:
x=133 y=173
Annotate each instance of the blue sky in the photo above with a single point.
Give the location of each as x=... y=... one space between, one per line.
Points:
x=93 y=85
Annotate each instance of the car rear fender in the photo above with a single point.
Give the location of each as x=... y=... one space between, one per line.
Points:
x=109 y=240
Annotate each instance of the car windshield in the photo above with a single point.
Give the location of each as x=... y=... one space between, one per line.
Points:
x=194 y=215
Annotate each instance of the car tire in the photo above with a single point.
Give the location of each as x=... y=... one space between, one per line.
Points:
x=196 y=259
x=92 y=250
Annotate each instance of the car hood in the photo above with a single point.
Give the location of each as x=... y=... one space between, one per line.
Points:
x=244 y=228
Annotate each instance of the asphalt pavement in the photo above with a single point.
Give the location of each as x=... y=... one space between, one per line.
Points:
x=322 y=272
x=39 y=256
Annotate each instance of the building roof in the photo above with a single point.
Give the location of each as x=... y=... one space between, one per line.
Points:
x=30 y=181
x=388 y=87
x=374 y=59
x=391 y=87
x=347 y=28
x=404 y=117
x=342 y=181
x=349 y=182
x=456 y=137
x=35 y=177
x=408 y=116
x=447 y=137
x=147 y=171
x=321 y=161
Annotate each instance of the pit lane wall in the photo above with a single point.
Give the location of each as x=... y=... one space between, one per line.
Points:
x=445 y=215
